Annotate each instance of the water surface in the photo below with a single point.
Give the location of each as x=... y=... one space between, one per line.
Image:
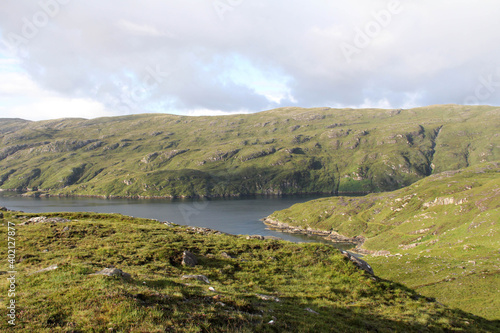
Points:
x=237 y=216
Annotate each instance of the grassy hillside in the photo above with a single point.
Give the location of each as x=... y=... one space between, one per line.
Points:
x=440 y=235
x=248 y=285
x=287 y=150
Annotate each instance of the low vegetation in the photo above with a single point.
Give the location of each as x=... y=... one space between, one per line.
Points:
x=282 y=151
x=439 y=236
x=239 y=284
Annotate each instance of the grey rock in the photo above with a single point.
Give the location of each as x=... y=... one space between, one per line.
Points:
x=113 y=272
x=227 y=255
x=45 y=219
x=358 y=262
x=255 y=237
x=201 y=278
x=189 y=259
x=267 y=297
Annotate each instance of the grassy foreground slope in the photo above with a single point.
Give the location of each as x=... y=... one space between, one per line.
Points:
x=440 y=235
x=287 y=150
x=252 y=285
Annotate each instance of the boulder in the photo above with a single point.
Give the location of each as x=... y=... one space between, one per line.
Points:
x=255 y=237
x=227 y=255
x=189 y=259
x=113 y=272
x=358 y=262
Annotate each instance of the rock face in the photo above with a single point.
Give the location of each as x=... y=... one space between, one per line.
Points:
x=358 y=262
x=189 y=259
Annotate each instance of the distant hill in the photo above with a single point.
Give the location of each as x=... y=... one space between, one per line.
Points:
x=440 y=235
x=282 y=151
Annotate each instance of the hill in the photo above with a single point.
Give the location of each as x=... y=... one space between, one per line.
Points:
x=439 y=235
x=282 y=151
x=80 y=272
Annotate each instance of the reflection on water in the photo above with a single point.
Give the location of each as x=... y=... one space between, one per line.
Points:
x=238 y=216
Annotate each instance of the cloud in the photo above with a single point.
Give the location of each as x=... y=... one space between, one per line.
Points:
x=247 y=56
x=23 y=98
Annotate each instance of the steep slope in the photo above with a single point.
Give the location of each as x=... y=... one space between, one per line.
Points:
x=440 y=235
x=237 y=285
x=288 y=150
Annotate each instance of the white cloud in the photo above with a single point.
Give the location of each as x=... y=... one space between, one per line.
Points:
x=207 y=112
x=54 y=107
x=21 y=97
x=262 y=55
x=139 y=29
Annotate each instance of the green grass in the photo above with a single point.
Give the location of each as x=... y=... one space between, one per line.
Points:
x=282 y=151
x=439 y=235
x=302 y=276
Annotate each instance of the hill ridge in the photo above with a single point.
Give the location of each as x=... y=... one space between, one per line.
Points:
x=283 y=151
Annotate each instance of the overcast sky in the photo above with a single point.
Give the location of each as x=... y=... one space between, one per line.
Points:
x=92 y=58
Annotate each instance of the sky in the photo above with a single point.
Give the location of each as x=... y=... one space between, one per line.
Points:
x=94 y=58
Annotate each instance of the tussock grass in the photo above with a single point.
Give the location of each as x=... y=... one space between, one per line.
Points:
x=440 y=235
x=318 y=289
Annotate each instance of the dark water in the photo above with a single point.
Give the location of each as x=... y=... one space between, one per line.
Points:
x=240 y=216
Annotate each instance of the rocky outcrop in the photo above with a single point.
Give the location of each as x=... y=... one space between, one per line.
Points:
x=189 y=259
x=358 y=262
x=45 y=219
x=328 y=235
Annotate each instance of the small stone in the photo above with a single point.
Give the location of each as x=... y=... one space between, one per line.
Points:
x=113 y=272
x=267 y=297
x=211 y=289
x=311 y=310
x=255 y=237
x=201 y=278
x=189 y=259
x=226 y=255
x=272 y=237
x=50 y=268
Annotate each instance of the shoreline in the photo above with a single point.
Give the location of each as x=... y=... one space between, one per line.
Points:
x=331 y=236
x=41 y=194
x=327 y=235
